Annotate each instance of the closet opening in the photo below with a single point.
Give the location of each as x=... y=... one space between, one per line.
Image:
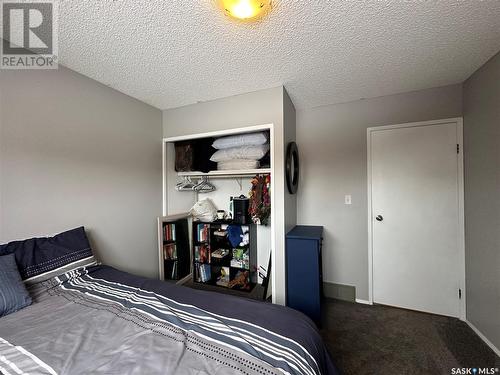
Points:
x=221 y=185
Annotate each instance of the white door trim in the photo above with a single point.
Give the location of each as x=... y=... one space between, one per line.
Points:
x=460 y=203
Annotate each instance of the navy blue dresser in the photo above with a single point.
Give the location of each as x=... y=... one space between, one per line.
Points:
x=304 y=287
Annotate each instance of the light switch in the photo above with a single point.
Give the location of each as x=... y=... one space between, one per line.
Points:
x=348 y=199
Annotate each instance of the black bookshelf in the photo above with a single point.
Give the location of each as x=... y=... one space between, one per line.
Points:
x=216 y=262
x=175 y=252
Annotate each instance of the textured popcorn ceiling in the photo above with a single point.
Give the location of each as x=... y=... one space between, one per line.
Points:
x=171 y=53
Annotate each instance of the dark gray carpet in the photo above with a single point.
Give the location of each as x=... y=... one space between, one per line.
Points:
x=378 y=339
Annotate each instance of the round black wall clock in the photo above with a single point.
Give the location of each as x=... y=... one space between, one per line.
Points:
x=292 y=167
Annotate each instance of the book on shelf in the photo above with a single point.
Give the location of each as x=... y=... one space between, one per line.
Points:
x=202 y=254
x=174 y=271
x=203 y=232
x=197 y=277
x=240 y=259
x=169 y=232
x=170 y=251
x=219 y=253
x=205 y=273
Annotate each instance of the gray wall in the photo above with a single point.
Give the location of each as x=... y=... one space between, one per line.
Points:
x=75 y=152
x=255 y=108
x=332 y=146
x=482 y=198
x=290 y=134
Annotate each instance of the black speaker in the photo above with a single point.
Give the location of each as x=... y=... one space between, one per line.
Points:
x=240 y=209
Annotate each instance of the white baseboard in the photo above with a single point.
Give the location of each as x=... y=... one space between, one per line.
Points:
x=363 y=301
x=483 y=337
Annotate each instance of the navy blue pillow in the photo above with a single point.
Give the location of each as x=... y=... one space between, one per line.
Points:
x=13 y=293
x=39 y=259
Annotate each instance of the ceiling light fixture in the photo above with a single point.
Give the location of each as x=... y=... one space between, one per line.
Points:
x=245 y=9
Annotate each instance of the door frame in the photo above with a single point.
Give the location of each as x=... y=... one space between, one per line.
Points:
x=461 y=222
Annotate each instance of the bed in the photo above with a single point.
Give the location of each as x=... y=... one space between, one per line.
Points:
x=88 y=318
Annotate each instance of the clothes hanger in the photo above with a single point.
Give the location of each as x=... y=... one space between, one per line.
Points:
x=186 y=185
x=204 y=186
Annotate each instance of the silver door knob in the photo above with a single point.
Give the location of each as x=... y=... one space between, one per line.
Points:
x=379 y=218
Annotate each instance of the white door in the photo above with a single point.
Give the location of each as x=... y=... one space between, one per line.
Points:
x=415 y=217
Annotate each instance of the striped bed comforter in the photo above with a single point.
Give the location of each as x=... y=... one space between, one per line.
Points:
x=99 y=320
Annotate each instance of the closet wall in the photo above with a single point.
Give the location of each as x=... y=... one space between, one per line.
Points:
x=482 y=201
x=256 y=108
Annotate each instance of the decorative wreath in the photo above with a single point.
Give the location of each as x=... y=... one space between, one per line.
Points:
x=260 y=199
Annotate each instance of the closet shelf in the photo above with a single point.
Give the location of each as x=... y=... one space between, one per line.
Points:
x=232 y=173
